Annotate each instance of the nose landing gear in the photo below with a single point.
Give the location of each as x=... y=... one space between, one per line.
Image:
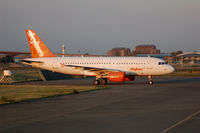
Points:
x=150 y=80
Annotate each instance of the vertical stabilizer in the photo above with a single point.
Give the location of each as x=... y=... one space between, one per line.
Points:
x=37 y=46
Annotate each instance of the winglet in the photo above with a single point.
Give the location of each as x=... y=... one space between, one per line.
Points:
x=37 y=46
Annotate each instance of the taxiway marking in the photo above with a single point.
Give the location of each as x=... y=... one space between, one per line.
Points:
x=180 y=122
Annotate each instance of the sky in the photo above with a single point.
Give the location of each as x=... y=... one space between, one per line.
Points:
x=96 y=26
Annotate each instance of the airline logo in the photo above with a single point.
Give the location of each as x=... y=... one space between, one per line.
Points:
x=136 y=69
x=35 y=43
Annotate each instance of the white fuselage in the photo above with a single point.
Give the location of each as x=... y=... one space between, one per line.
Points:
x=138 y=66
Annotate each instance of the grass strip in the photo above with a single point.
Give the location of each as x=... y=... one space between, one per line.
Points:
x=20 y=93
x=184 y=74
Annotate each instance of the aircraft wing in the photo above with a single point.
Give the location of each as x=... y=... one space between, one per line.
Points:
x=92 y=69
x=97 y=70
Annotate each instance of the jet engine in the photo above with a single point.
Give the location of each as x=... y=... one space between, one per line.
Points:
x=120 y=77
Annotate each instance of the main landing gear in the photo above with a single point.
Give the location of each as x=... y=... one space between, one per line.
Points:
x=98 y=82
x=150 y=80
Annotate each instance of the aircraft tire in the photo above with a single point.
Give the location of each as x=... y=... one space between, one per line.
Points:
x=103 y=81
x=151 y=82
x=96 y=82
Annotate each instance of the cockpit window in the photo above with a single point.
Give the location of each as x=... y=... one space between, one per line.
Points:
x=162 y=63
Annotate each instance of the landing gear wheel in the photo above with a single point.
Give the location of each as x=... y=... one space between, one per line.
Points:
x=103 y=81
x=96 y=82
x=150 y=82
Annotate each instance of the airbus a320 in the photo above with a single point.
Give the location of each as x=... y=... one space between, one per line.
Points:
x=113 y=69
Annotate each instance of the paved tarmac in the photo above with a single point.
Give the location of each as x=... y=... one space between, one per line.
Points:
x=171 y=105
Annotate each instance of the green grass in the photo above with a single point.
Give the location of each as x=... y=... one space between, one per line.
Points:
x=184 y=74
x=20 y=93
x=26 y=75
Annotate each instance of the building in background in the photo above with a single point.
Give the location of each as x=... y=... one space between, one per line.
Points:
x=119 y=52
x=146 y=49
x=187 y=58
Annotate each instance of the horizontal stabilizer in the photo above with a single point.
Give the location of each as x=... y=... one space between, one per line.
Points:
x=30 y=61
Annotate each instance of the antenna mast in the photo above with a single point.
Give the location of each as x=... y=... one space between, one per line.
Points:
x=63 y=50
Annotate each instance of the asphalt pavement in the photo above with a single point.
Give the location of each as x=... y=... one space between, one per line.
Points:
x=171 y=105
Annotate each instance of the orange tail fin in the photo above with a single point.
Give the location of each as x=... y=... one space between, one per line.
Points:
x=37 y=46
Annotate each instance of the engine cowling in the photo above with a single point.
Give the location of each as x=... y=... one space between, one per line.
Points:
x=120 y=77
x=117 y=76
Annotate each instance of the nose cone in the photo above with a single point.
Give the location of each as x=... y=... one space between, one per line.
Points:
x=171 y=69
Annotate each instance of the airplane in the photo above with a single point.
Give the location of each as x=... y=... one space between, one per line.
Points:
x=113 y=69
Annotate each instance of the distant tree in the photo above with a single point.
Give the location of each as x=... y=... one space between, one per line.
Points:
x=7 y=59
x=86 y=54
x=3 y=60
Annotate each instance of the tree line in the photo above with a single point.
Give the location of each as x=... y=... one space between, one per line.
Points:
x=7 y=59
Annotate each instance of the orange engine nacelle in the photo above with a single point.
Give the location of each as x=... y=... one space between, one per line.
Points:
x=120 y=77
x=117 y=76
